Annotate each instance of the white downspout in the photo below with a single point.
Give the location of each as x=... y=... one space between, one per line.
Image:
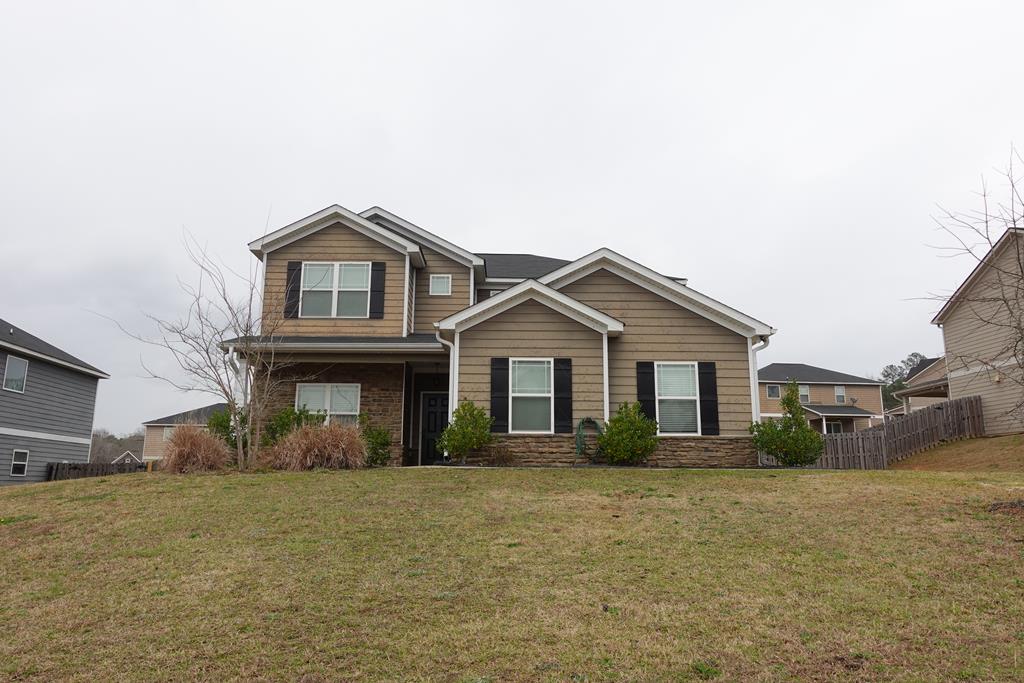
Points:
x=451 y=368
x=755 y=388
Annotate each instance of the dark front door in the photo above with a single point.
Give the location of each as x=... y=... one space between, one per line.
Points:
x=433 y=420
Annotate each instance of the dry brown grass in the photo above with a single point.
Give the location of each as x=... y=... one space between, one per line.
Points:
x=994 y=454
x=332 y=446
x=514 y=575
x=191 y=449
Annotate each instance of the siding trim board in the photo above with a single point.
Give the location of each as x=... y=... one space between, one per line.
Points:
x=28 y=434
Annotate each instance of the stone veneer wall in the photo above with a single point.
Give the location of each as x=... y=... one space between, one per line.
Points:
x=380 y=392
x=559 y=450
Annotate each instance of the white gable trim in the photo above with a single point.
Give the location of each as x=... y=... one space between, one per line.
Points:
x=327 y=217
x=992 y=255
x=668 y=288
x=532 y=290
x=413 y=231
x=131 y=455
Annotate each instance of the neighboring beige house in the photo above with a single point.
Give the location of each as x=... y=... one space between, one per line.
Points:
x=378 y=316
x=981 y=325
x=834 y=402
x=926 y=385
x=160 y=430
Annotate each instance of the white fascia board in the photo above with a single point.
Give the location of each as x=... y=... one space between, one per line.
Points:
x=322 y=219
x=353 y=346
x=672 y=290
x=22 y=351
x=531 y=289
x=841 y=384
x=398 y=223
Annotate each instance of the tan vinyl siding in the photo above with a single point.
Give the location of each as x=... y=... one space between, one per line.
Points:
x=972 y=341
x=532 y=330
x=658 y=330
x=430 y=309
x=335 y=243
x=410 y=299
x=153 y=443
x=935 y=371
x=868 y=397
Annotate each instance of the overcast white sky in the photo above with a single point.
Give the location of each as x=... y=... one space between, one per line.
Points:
x=786 y=157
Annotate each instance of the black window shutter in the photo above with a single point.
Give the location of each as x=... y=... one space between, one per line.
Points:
x=377 y=290
x=293 y=284
x=645 y=388
x=499 y=395
x=563 y=395
x=707 y=378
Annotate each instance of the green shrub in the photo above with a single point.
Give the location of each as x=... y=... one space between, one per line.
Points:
x=469 y=430
x=377 y=441
x=630 y=437
x=287 y=421
x=221 y=425
x=789 y=439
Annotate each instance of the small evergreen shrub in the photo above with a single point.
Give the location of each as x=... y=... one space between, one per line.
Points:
x=377 y=441
x=789 y=439
x=221 y=425
x=193 y=449
x=287 y=421
x=469 y=430
x=630 y=437
x=331 y=446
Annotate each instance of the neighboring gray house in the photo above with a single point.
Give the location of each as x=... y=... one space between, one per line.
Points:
x=47 y=402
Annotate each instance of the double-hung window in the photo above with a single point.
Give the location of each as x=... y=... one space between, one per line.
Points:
x=678 y=411
x=337 y=402
x=19 y=463
x=335 y=290
x=531 y=404
x=805 y=393
x=840 y=394
x=773 y=390
x=15 y=374
x=440 y=285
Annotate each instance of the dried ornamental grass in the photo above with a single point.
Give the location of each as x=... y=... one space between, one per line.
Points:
x=192 y=449
x=332 y=446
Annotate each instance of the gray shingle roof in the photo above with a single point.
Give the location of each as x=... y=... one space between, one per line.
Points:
x=11 y=336
x=923 y=365
x=520 y=265
x=418 y=338
x=838 y=411
x=783 y=372
x=198 y=416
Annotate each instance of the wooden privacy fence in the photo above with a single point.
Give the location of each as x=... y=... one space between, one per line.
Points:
x=879 y=447
x=58 y=471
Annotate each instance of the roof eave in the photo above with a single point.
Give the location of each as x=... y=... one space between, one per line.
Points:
x=21 y=350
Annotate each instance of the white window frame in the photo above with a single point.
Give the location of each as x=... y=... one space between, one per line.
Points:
x=768 y=391
x=14 y=455
x=7 y=371
x=336 y=287
x=550 y=395
x=840 y=394
x=443 y=276
x=168 y=431
x=327 y=396
x=830 y=423
x=800 y=393
x=695 y=398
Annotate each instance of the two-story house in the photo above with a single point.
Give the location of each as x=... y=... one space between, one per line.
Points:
x=379 y=316
x=47 y=402
x=834 y=402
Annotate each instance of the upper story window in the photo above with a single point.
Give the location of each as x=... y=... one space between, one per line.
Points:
x=531 y=404
x=19 y=463
x=168 y=433
x=440 y=285
x=676 y=393
x=339 y=402
x=840 y=394
x=805 y=393
x=773 y=390
x=15 y=374
x=335 y=290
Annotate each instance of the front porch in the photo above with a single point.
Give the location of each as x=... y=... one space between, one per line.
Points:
x=839 y=419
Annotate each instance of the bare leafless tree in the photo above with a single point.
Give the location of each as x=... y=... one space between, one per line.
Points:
x=223 y=345
x=994 y=303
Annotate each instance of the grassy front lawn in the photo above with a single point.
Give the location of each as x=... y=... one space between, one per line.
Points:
x=471 y=575
x=994 y=454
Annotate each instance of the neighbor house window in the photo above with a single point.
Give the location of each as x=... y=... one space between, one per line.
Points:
x=335 y=290
x=676 y=389
x=19 y=464
x=805 y=393
x=337 y=402
x=834 y=427
x=530 y=395
x=168 y=432
x=774 y=390
x=440 y=285
x=15 y=374
x=840 y=394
